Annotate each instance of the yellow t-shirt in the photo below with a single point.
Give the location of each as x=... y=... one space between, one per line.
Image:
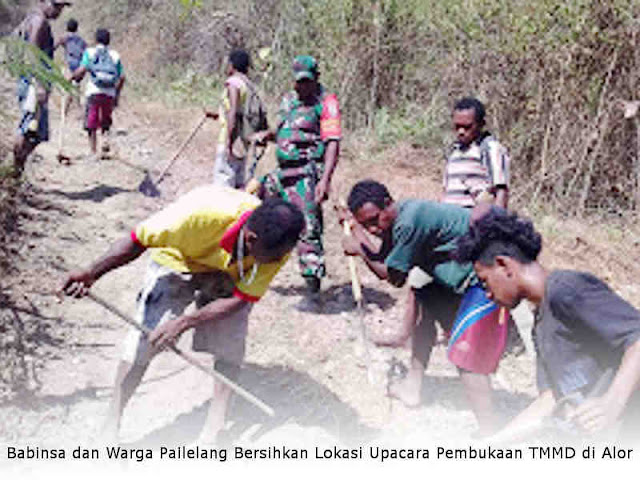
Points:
x=198 y=232
x=225 y=104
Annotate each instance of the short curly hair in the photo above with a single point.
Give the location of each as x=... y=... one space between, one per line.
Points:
x=471 y=103
x=499 y=233
x=240 y=60
x=368 y=191
x=277 y=223
x=103 y=36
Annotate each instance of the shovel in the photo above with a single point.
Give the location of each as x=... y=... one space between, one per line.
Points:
x=150 y=188
x=62 y=158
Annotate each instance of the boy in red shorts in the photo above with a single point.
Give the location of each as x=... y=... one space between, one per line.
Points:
x=106 y=79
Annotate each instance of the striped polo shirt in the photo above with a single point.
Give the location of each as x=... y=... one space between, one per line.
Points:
x=480 y=167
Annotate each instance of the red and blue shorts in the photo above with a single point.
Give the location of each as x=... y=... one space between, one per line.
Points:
x=479 y=334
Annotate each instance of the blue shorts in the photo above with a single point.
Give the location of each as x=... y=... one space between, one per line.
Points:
x=35 y=134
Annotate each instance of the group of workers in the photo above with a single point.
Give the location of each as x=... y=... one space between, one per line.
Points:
x=467 y=260
x=101 y=64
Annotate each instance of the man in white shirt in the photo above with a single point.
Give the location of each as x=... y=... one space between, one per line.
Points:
x=103 y=88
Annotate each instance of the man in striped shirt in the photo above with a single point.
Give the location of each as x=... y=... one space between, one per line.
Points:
x=477 y=168
x=477 y=171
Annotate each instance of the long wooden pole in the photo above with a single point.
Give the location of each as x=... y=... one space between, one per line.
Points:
x=181 y=149
x=189 y=359
x=356 y=288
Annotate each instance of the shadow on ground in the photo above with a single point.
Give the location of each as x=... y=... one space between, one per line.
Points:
x=296 y=398
x=96 y=194
x=335 y=299
x=449 y=393
x=27 y=338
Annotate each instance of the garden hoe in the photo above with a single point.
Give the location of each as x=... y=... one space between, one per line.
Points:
x=192 y=361
x=150 y=188
x=188 y=358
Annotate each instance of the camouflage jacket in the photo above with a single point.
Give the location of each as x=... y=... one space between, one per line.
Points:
x=303 y=130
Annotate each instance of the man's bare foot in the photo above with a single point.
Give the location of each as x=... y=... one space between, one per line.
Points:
x=406 y=390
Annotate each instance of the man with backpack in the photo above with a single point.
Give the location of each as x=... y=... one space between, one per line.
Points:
x=106 y=79
x=240 y=114
x=73 y=44
x=33 y=95
x=74 y=47
x=307 y=147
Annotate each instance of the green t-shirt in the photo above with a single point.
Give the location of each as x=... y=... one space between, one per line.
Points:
x=424 y=235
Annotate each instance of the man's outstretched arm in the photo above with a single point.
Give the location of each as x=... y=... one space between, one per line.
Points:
x=353 y=246
x=123 y=251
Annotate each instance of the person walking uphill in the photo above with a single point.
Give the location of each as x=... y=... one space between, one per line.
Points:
x=307 y=140
x=214 y=246
x=423 y=234
x=106 y=79
x=73 y=44
x=74 y=47
x=33 y=96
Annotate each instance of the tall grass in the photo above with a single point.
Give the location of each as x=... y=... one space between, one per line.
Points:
x=551 y=73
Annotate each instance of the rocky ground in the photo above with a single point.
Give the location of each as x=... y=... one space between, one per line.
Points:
x=303 y=362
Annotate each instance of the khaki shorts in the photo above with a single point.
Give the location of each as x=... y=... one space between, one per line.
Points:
x=167 y=294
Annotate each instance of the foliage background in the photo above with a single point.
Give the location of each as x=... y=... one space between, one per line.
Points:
x=552 y=74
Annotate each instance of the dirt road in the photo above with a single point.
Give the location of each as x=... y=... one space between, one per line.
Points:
x=305 y=364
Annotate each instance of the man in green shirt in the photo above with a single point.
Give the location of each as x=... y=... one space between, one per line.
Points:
x=421 y=233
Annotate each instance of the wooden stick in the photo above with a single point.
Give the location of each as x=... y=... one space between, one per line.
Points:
x=189 y=359
x=180 y=150
x=356 y=288
x=61 y=157
x=355 y=281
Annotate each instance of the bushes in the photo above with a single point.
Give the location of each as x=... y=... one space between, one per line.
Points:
x=550 y=72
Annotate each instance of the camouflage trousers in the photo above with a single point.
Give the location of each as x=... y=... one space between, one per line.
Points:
x=297 y=186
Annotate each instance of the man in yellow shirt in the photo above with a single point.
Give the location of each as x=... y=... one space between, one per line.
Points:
x=214 y=246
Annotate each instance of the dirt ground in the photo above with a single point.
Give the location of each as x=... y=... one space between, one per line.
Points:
x=305 y=364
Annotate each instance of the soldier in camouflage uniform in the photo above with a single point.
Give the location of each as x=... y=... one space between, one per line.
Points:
x=307 y=140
